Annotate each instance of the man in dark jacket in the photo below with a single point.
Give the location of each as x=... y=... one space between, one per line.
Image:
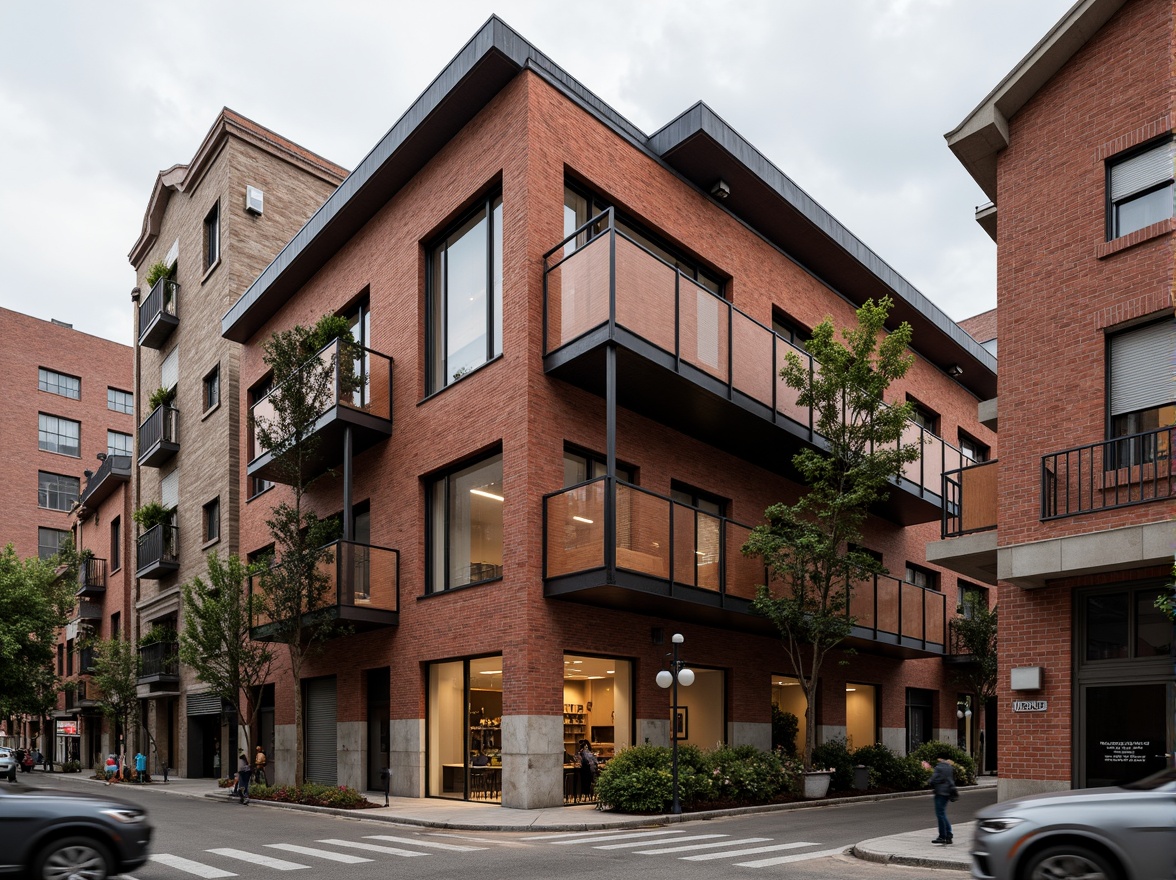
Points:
x=943 y=784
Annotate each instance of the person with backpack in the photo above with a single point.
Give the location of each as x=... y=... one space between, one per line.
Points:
x=588 y=767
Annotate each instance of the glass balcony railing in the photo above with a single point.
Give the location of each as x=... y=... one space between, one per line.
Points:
x=611 y=280
x=969 y=500
x=158 y=314
x=362 y=589
x=353 y=388
x=159 y=436
x=1121 y=472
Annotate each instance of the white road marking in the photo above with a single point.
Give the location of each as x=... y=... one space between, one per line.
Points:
x=616 y=837
x=747 y=852
x=452 y=847
x=783 y=860
x=257 y=859
x=372 y=847
x=674 y=849
x=190 y=867
x=568 y=834
x=321 y=853
x=632 y=843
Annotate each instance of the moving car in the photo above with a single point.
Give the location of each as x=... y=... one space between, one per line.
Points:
x=61 y=835
x=1125 y=832
x=7 y=764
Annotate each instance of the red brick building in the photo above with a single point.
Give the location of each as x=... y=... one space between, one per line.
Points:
x=1075 y=149
x=583 y=421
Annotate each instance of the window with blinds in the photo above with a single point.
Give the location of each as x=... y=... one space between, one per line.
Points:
x=1140 y=189
x=1142 y=392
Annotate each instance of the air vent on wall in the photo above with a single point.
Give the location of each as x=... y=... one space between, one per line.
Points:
x=254 y=200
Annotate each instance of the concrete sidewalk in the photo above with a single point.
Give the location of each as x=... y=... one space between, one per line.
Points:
x=916 y=849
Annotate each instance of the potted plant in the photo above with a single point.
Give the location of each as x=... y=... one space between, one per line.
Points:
x=152 y=514
x=816 y=783
x=160 y=397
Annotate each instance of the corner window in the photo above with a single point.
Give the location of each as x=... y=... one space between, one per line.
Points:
x=922 y=577
x=211 y=521
x=50 y=541
x=1141 y=393
x=59 y=383
x=118 y=443
x=212 y=389
x=465 y=526
x=212 y=237
x=1139 y=189
x=120 y=401
x=465 y=296
x=57 y=491
x=59 y=435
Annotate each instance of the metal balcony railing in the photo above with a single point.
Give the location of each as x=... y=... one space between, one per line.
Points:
x=92 y=577
x=598 y=276
x=159 y=660
x=159 y=435
x=1136 y=469
x=969 y=499
x=158 y=313
x=88 y=611
x=113 y=466
x=157 y=549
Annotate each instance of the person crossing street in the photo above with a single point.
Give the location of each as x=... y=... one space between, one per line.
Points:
x=243 y=774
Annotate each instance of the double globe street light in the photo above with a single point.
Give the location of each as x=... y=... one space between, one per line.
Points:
x=671 y=678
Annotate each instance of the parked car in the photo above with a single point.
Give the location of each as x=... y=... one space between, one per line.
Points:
x=7 y=764
x=1125 y=832
x=60 y=835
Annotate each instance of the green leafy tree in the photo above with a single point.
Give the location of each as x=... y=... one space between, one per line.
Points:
x=115 y=675
x=807 y=547
x=1166 y=601
x=215 y=642
x=293 y=584
x=975 y=634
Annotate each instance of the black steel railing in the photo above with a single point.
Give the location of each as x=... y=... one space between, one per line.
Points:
x=1121 y=472
x=163 y=425
x=159 y=659
x=162 y=300
x=969 y=500
x=92 y=575
x=157 y=544
x=109 y=465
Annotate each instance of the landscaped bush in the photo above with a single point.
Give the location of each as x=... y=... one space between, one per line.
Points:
x=890 y=770
x=640 y=779
x=71 y=767
x=312 y=795
x=746 y=775
x=965 y=767
x=785 y=727
x=834 y=755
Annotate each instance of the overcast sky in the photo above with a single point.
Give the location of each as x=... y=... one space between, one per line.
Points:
x=849 y=98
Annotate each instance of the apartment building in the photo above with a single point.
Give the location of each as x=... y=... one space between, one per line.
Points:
x=71 y=407
x=1075 y=149
x=210 y=227
x=583 y=422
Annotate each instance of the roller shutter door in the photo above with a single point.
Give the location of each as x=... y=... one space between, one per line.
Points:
x=321 y=731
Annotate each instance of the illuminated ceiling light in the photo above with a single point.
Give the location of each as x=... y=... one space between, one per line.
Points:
x=483 y=493
x=582 y=519
x=610 y=672
x=577 y=661
x=850 y=690
x=491 y=672
x=595 y=677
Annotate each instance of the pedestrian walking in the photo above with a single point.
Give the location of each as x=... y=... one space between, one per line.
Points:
x=141 y=766
x=243 y=774
x=943 y=785
x=259 y=762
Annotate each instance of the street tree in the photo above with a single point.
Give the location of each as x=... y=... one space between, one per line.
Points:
x=974 y=631
x=115 y=676
x=293 y=596
x=811 y=548
x=1166 y=601
x=215 y=641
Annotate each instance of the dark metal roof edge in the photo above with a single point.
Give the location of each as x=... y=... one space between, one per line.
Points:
x=701 y=119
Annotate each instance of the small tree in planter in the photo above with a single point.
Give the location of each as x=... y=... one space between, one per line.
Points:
x=161 y=397
x=158 y=270
x=154 y=514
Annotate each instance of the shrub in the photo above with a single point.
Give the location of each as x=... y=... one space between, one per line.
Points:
x=313 y=795
x=73 y=767
x=965 y=767
x=640 y=779
x=785 y=727
x=161 y=396
x=746 y=775
x=834 y=755
x=158 y=270
x=151 y=514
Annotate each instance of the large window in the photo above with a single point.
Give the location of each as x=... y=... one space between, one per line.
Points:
x=465 y=526
x=1141 y=393
x=922 y=577
x=57 y=491
x=972 y=449
x=120 y=401
x=59 y=383
x=1139 y=189
x=464 y=724
x=55 y=434
x=465 y=296
x=118 y=443
x=49 y=541
x=257 y=485
x=210 y=521
x=1125 y=624
x=697 y=537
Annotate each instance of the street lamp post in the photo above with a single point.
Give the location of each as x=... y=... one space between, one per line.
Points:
x=671 y=678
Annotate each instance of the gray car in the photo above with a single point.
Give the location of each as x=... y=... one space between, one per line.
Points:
x=7 y=764
x=59 y=835
x=1126 y=832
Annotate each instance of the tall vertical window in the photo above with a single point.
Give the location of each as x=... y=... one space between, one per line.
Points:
x=697 y=537
x=59 y=383
x=212 y=237
x=212 y=389
x=49 y=541
x=465 y=526
x=1141 y=394
x=1139 y=189
x=55 y=434
x=120 y=401
x=57 y=491
x=360 y=319
x=116 y=543
x=922 y=577
x=118 y=443
x=211 y=520
x=465 y=296
x=973 y=450
x=257 y=485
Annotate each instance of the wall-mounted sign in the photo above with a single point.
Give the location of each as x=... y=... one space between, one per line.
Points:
x=1029 y=705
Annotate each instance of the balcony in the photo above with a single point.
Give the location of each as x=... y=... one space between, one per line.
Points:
x=115 y=470
x=362 y=592
x=1108 y=475
x=968 y=526
x=159 y=436
x=357 y=398
x=88 y=612
x=159 y=663
x=157 y=553
x=689 y=359
x=675 y=561
x=157 y=313
x=92 y=578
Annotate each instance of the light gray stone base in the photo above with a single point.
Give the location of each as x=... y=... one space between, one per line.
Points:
x=1014 y=788
x=407 y=756
x=827 y=732
x=747 y=733
x=281 y=763
x=351 y=760
x=894 y=738
x=653 y=731
x=532 y=761
x=949 y=735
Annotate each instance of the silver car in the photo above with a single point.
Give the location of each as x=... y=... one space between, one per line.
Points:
x=1126 y=832
x=7 y=764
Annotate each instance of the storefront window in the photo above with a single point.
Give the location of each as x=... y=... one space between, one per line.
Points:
x=787 y=697
x=465 y=729
x=861 y=715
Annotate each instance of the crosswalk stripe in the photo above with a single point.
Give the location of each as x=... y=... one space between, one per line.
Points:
x=633 y=843
x=452 y=847
x=321 y=853
x=674 y=849
x=257 y=859
x=747 y=852
x=615 y=837
x=373 y=847
x=190 y=867
x=569 y=834
x=783 y=860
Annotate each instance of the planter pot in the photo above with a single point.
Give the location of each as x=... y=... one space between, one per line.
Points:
x=816 y=784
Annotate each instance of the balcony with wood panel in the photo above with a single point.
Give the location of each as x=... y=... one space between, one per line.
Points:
x=968 y=534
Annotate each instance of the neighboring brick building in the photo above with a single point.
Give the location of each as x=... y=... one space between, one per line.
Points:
x=1075 y=149
x=214 y=224
x=543 y=495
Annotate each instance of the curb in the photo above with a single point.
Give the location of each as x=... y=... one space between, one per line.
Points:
x=868 y=855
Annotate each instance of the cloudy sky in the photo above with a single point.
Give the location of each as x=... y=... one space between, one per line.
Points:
x=850 y=98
